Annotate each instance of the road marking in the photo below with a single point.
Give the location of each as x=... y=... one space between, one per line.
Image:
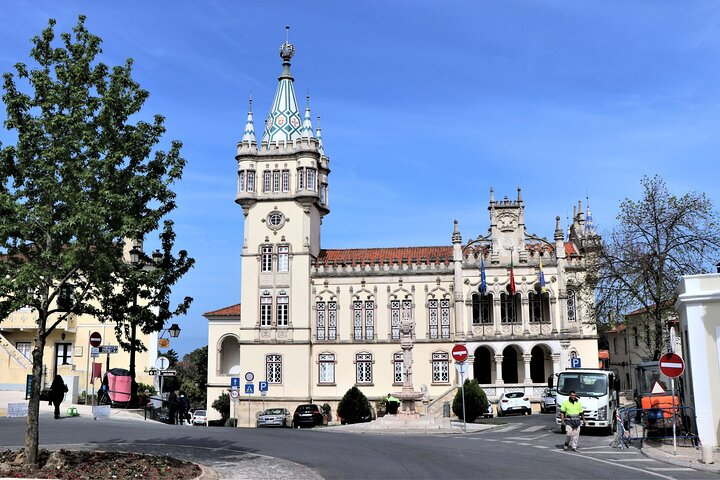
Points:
x=637 y=460
x=508 y=428
x=528 y=438
x=594 y=448
x=492 y=439
x=628 y=467
x=533 y=429
x=610 y=452
x=671 y=469
x=540 y=446
x=506 y=441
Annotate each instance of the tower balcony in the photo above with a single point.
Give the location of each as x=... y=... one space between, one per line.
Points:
x=26 y=320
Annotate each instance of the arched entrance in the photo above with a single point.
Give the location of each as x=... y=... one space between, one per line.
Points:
x=538 y=361
x=482 y=365
x=510 y=365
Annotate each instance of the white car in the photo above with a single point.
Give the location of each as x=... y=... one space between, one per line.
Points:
x=513 y=402
x=274 y=417
x=489 y=412
x=199 y=417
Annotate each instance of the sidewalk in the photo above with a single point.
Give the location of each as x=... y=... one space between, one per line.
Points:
x=686 y=456
x=13 y=396
x=397 y=425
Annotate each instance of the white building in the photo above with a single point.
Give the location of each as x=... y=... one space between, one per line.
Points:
x=316 y=321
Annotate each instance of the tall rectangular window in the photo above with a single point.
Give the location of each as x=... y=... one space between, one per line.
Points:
x=320 y=320
x=267 y=183
x=265 y=311
x=301 y=179
x=285 y=181
x=508 y=309
x=357 y=320
x=395 y=319
x=250 y=181
x=25 y=348
x=311 y=179
x=571 y=305
x=273 y=368
x=369 y=320
x=266 y=259
x=363 y=368
x=440 y=367
x=327 y=368
x=283 y=258
x=445 y=318
x=398 y=377
x=276 y=181
x=283 y=311
x=332 y=320
x=64 y=353
x=433 y=318
x=241 y=181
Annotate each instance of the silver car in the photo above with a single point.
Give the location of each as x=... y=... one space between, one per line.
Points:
x=547 y=402
x=274 y=417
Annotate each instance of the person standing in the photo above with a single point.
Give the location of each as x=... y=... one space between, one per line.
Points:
x=572 y=416
x=57 y=394
x=172 y=408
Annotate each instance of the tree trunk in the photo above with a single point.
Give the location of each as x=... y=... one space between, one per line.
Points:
x=32 y=423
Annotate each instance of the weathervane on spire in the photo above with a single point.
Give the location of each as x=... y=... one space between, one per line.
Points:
x=287 y=50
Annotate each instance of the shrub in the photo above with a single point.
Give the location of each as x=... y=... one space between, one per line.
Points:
x=142 y=387
x=354 y=406
x=222 y=405
x=231 y=422
x=476 y=401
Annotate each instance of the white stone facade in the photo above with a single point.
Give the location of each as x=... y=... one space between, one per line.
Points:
x=315 y=322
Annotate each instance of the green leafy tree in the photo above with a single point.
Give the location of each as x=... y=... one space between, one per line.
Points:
x=354 y=406
x=656 y=240
x=222 y=405
x=476 y=402
x=83 y=178
x=192 y=374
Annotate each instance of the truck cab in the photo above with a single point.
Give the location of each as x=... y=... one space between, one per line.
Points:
x=597 y=391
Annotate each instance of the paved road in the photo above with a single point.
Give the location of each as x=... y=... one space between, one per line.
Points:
x=527 y=447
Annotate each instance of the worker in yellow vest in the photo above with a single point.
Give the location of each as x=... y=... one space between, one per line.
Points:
x=572 y=416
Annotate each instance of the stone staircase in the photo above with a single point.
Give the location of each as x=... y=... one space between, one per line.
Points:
x=435 y=407
x=13 y=353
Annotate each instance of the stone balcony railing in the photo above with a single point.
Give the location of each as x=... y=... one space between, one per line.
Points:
x=27 y=320
x=14 y=353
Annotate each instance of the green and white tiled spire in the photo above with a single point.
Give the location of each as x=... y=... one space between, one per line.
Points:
x=249 y=133
x=284 y=124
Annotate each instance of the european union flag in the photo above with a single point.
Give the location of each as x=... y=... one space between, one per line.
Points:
x=542 y=278
x=483 y=282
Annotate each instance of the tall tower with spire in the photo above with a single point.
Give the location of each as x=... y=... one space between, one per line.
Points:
x=282 y=187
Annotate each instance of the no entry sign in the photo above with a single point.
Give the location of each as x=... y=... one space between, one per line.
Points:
x=460 y=353
x=95 y=339
x=672 y=365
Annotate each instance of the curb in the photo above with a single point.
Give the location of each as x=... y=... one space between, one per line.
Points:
x=651 y=452
x=206 y=473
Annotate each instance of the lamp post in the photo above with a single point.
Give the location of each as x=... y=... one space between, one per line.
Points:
x=135 y=252
x=174 y=332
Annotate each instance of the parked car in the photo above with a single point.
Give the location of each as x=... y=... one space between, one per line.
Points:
x=513 y=402
x=199 y=417
x=547 y=401
x=274 y=417
x=307 y=415
x=489 y=412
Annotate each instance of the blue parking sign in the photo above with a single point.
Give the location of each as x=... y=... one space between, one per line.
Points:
x=249 y=388
x=235 y=382
x=575 y=362
x=263 y=386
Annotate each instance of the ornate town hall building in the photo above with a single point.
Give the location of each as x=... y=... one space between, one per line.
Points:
x=313 y=322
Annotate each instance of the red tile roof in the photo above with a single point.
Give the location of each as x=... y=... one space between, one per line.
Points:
x=570 y=249
x=617 y=329
x=359 y=256
x=231 y=311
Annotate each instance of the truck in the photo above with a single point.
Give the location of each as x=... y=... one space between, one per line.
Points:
x=598 y=391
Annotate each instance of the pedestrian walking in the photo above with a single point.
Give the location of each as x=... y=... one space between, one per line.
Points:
x=183 y=409
x=572 y=416
x=172 y=408
x=57 y=394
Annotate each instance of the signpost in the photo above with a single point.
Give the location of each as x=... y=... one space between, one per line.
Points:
x=249 y=389
x=95 y=340
x=108 y=349
x=460 y=354
x=575 y=362
x=672 y=365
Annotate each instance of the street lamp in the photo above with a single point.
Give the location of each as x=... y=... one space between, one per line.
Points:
x=174 y=330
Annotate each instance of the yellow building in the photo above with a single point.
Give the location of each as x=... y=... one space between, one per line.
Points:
x=315 y=322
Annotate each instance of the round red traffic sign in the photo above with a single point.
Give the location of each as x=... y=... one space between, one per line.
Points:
x=95 y=339
x=460 y=353
x=672 y=365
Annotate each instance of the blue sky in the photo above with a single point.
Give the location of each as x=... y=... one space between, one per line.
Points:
x=425 y=106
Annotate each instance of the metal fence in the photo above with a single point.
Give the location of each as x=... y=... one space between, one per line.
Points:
x=637 y=425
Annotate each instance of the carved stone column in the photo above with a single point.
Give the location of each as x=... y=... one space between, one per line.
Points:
x=498 y=370
x=526 y=358
x=553 y=314
x=525 y=313
x=497 y=314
